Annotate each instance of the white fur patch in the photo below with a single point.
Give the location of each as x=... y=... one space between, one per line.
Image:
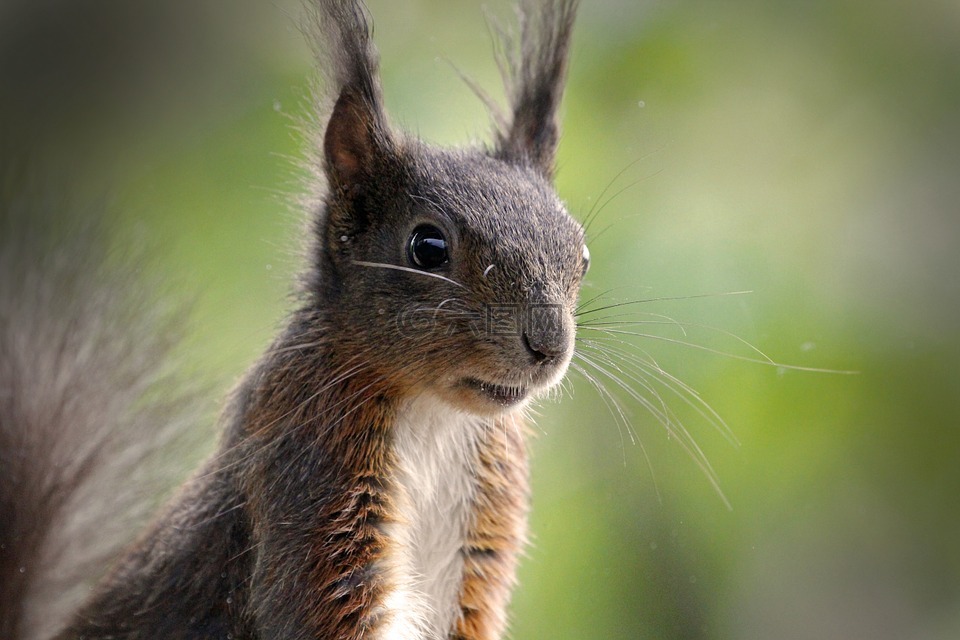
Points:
x=436 y=446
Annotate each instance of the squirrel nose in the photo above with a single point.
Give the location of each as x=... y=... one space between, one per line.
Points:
x=547 y=328
x=545 y=346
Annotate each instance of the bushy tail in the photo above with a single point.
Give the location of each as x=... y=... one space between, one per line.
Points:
x=85 y=402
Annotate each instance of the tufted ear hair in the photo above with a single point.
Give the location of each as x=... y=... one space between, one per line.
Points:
x=357 y=137
x=535 y=72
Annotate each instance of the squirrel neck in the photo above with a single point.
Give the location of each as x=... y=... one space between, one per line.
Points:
x=410 y=465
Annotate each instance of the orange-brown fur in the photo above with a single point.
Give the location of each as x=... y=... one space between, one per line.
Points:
x=497 y=534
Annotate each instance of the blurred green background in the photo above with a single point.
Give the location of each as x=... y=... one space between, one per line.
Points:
x=806 y=152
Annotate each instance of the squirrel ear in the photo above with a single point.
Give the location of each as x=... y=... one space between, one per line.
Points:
x=353 y=141
x=535 y=78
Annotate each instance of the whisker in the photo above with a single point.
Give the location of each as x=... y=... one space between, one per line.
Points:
x=663 y=299
x=620 y=192
x=635 y=440
x=664 y=414
x=726 y=354
x=605 y=295
x=382 y=265
x=593 y=212
x=661 y=413
x=687 y=394
x=609 y=321
x=295 y=347
x=767 y=359
x=613 y=407
x=599 y=234
x=677 y=430
x=599 y=296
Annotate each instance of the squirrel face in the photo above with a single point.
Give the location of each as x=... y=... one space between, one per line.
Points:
x=455 y=273
x=519 y=257
x=451 y=272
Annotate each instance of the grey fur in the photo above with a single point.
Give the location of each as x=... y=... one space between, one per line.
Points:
x=82 y=345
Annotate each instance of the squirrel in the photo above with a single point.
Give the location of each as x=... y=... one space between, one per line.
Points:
x=370 y=481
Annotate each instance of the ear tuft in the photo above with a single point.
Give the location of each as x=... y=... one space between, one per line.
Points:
x=535 y=76
x=357 y=135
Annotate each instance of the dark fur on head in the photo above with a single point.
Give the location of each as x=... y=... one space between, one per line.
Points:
x=511 y=242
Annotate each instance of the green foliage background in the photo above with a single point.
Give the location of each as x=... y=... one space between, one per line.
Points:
x=806 y=152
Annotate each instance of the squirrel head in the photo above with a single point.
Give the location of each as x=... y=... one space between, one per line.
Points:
x=449 y=271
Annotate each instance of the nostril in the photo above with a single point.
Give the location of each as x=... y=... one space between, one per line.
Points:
x=537 y=350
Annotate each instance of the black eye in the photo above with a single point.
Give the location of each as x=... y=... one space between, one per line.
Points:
x=428 y=247
x=586 y=259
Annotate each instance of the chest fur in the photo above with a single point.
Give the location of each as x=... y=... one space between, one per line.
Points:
x=435 y=449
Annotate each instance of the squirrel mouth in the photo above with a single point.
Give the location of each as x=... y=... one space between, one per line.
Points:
x=502 y=395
